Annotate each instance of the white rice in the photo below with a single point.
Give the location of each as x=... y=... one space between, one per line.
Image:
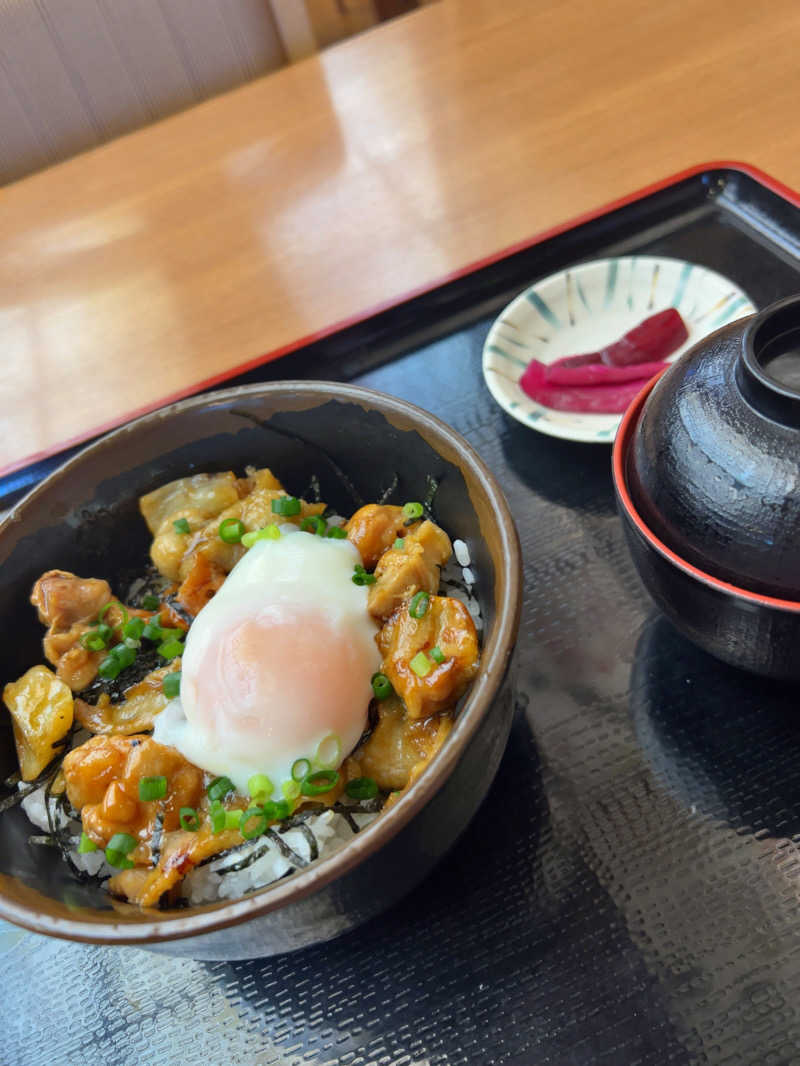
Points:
x=35 y=807
x=458 y=579
x=210 y=882
x=461 y=552
x=205 y=884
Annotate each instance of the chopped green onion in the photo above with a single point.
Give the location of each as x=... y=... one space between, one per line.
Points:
x=412 y=511
x=151 y=602
x=314 y=524
x=260 y=785
x=421 y=664
x=153 y=631
x=114 y=603
x=399 y=544
x=216 y=815
x=129 y=642
x=220 y=787
x=290 y=790
x=286 y=506
x=436 y=654
x=86 y=845
x=118 y=859
x=152 y=788
x=318 y=783
x=171 y=685
x=420 y=602
x=92 y=641
x=361 y=577
x=133 y=630
x=329 y=752
x=106 y=632
x=123 y=842
x=109 y=669
x=123 y=654
x=181 y=525
x=281 y=810
x=301 y=768
x=188 y=819
x=250 y=828
x=233 y=819
x=116 y=661
x=381 y=686
x=168 y=649
x=361 y=788
x=231 y=530
x=336 y=533
x=270 y=532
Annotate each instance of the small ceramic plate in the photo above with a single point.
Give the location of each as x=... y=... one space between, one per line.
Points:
x=587 y=307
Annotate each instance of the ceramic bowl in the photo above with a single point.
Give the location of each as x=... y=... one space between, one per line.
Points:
x=84 y=517
x=746 y=628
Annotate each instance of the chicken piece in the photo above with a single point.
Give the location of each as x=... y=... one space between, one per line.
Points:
x=102 y=779
x=403 y=571
x=135 y=713
x=398 y=744
x=374 y=528
x=259 y=479
x=205 y=494
x=180 y=852
x=69 y=605
x=446 y=624
x=170 y=546
x=207 y=559
x=196 y=500
x=41 y=712
x=63 y=599
x=201 y=582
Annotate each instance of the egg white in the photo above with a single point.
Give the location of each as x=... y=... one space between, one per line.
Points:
x=268 y=710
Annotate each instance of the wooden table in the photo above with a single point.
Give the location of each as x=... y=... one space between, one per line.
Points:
x=181 y=253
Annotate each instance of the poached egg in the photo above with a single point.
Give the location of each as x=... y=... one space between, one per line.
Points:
x=278 y=665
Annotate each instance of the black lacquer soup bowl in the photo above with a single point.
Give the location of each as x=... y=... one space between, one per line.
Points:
x=706 y=469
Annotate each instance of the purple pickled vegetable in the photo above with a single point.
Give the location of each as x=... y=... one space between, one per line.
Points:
x=589 y=399
x=652 y=340
x=599 y=374
x=655 y=338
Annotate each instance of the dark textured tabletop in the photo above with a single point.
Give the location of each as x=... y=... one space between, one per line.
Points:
x=628 y=893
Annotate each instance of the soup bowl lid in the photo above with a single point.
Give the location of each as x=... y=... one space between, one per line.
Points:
x=714 y=464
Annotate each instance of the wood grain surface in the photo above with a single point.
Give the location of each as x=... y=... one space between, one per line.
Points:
x=177 y=254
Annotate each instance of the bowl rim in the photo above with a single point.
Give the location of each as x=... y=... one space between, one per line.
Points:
x=618 y=466
x=495 y=658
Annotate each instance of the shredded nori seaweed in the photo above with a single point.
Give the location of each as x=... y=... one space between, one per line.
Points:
x=145 y=663
x=45 y=840
x=432 y=488
x=389 y=491
x=158 y=832
x=296 y=821
x=313 y=492
x=311 y=840
x=49 y=772
x=286 y=850
x=242 y=864
x=179 y=609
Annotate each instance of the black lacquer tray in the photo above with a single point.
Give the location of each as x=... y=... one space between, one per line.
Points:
x=628 y=894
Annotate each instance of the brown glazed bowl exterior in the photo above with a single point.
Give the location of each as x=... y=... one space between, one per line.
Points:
x=84 y=518
x=747 y=629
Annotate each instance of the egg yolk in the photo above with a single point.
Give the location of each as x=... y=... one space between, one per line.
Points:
x=279 y=677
